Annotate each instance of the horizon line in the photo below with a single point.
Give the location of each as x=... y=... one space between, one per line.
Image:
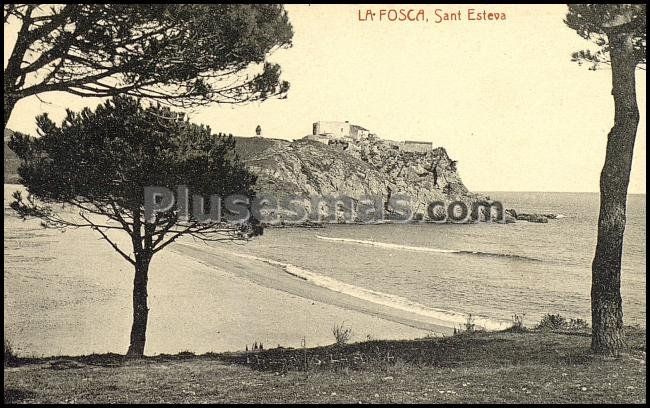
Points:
x=546 y=191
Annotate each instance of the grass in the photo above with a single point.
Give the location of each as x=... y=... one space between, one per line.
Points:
x=532 y=366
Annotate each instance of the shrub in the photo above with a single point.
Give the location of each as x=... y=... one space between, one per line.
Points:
x=470 y=327
x=552 y=322
x=518 y=323
x=577 y=324
x=341 y=333
x=558 y=322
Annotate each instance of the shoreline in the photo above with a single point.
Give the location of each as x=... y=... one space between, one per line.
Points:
x=257 y=271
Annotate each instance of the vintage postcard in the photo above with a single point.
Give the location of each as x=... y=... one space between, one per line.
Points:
x=310 y=203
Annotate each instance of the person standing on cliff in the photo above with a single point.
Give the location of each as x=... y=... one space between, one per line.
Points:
x=434 y=171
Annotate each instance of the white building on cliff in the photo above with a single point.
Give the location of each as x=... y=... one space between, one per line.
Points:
x=339 y=130
x=327 y=131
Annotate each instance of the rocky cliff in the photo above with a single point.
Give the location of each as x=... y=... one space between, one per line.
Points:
x=369 y=168
x=356 y=169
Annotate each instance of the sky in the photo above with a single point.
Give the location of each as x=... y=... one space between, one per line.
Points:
x=503 y=97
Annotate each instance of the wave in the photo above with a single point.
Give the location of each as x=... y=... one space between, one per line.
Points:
x=381 y=298
x=428 y=249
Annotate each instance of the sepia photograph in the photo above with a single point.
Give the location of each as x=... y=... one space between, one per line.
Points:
x=324 y=203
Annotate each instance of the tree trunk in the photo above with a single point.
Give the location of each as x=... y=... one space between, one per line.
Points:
x=606 y=304
x=12 y=72
x=140 y=309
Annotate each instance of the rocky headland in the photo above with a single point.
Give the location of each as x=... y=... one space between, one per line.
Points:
x=306 y=169
x=356 y=169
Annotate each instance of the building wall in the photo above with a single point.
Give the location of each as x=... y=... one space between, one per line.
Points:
x=358 y=132
x=338 y=130
x=420 y=147
x=318 y=138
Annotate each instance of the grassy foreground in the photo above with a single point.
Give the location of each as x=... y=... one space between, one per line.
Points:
x=480 y=367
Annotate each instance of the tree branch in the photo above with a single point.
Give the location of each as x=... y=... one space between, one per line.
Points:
x=115 y=247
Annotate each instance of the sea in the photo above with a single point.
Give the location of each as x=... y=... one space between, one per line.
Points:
x=489 y=270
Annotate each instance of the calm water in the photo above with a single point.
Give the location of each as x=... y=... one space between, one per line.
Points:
x=490 y=270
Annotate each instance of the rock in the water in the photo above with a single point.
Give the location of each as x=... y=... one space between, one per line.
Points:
x=533 y=218
x=511 y=212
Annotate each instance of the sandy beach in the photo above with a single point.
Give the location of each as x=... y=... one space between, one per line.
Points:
x=70 y=294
